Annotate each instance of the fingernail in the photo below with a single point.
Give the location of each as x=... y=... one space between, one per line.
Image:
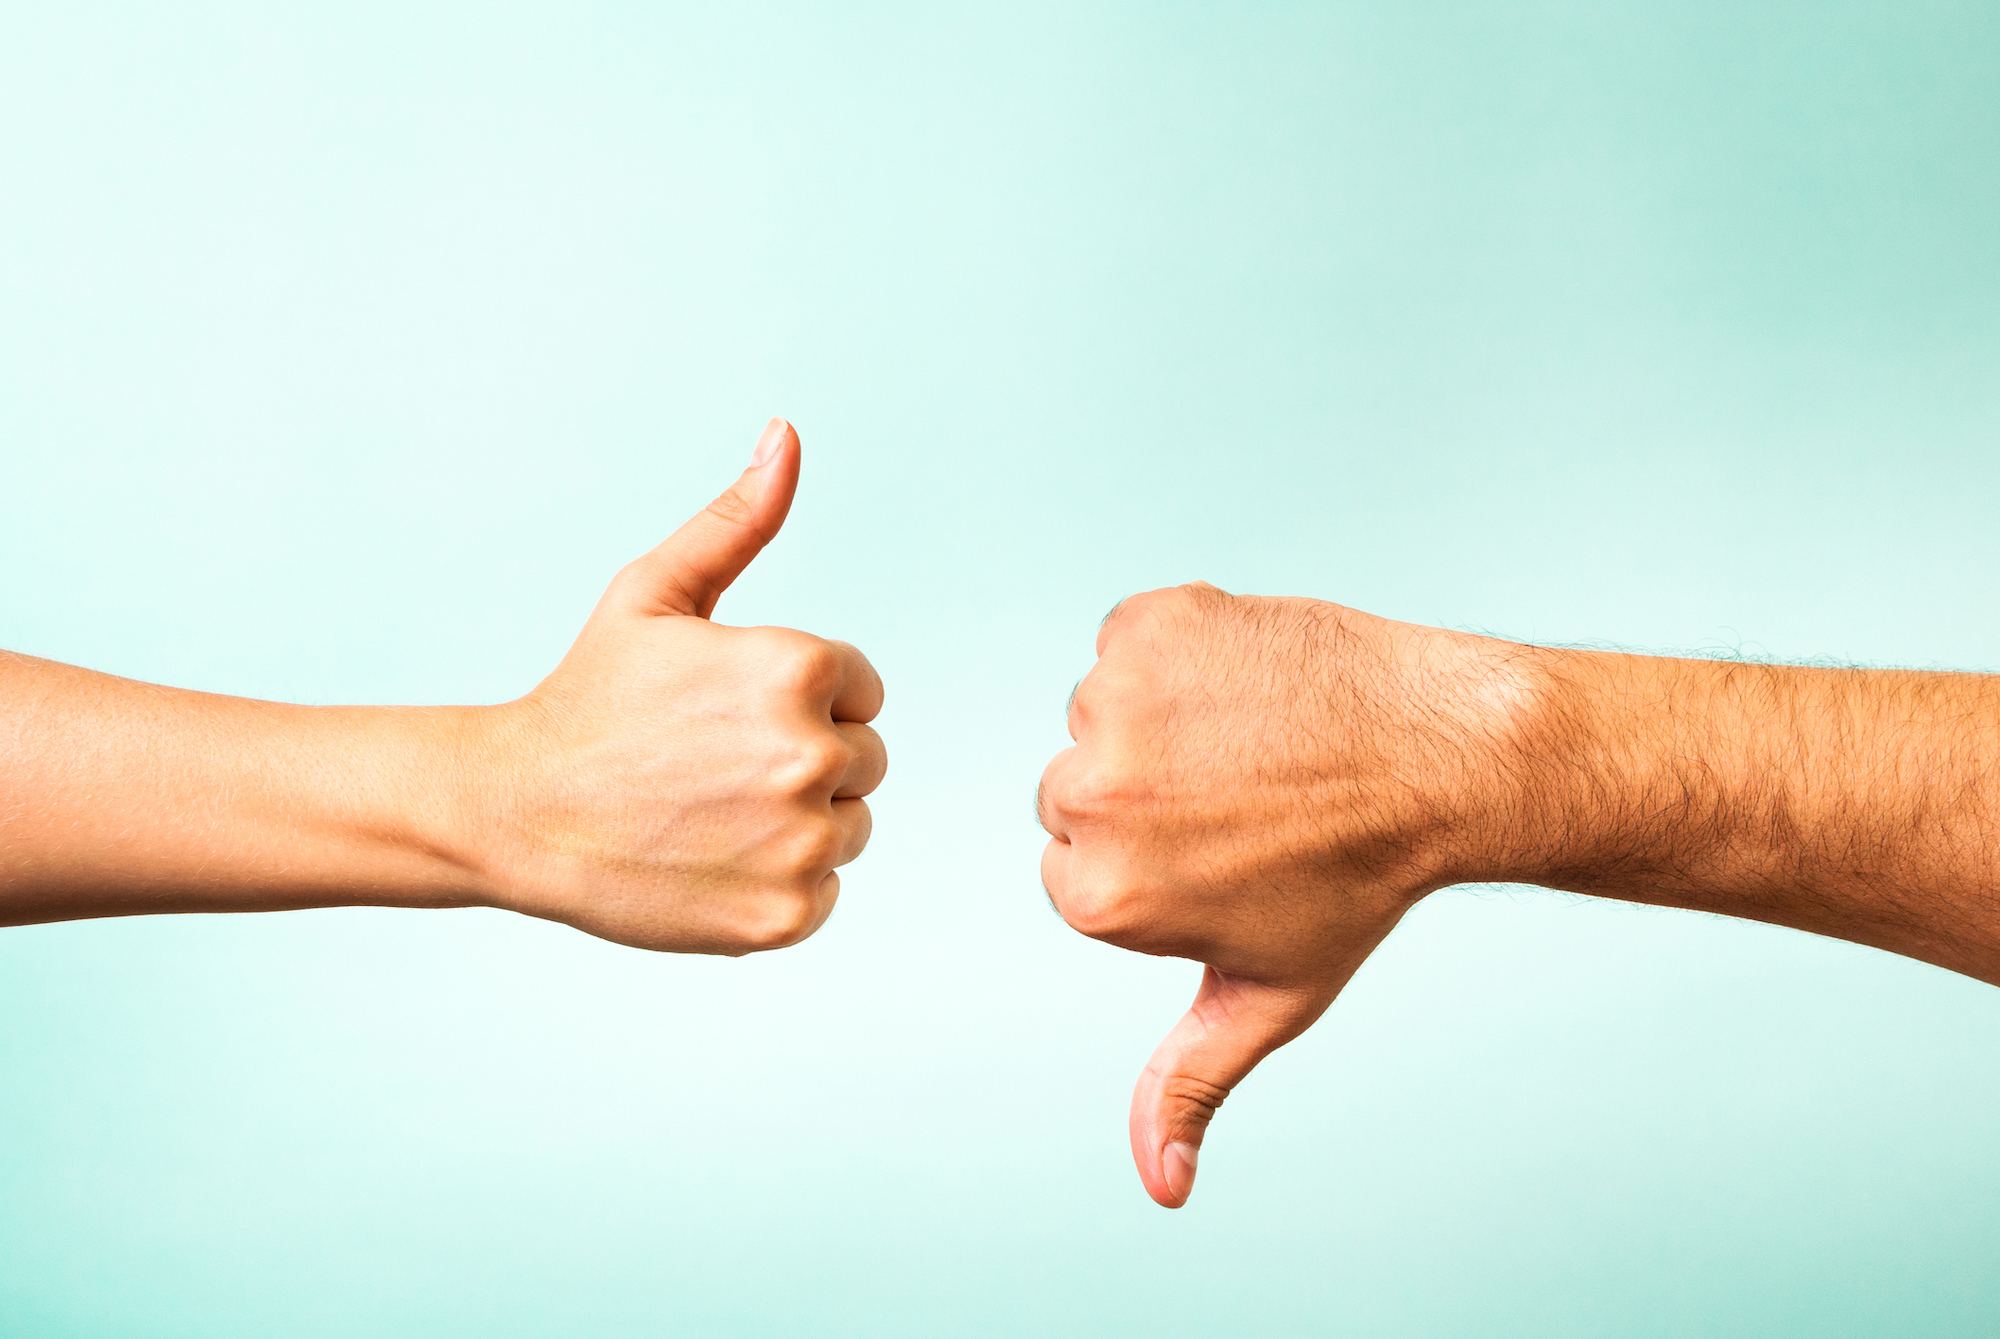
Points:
x=1177 y=1166
x=767 y=445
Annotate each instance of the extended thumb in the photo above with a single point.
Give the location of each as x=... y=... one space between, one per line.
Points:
x=1232 y=1025
x=688 y=573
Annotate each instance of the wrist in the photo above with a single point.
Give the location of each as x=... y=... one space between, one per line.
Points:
x=499 y=814
x=1487 y=723
x=1644 y=774
x=447 y=799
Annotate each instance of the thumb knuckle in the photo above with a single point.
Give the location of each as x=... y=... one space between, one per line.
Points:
x=731 y=508
x=1196 y=1097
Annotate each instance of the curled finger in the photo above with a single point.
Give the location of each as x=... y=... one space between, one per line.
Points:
x=854 y=823
x=868 y=762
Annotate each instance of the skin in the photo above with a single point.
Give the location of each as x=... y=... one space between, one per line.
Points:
x=675 y=784
x=1267 y=786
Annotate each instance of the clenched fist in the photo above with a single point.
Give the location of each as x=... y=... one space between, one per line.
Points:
x=1265 y=786
x=676 y=784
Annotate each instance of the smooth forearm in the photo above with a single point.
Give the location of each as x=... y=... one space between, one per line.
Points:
x=1853 y=803
x=675 y=784
x=121 y=798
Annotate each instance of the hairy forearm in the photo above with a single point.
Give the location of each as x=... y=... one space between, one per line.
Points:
x=1855 y=803
x=121 y=798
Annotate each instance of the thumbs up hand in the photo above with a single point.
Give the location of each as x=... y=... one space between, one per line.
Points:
x=677 y=784
x=1266 y=786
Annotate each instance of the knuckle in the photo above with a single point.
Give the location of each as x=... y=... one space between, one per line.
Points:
x=633 y=580
x=836 y=647
x=1053 y=810
x=779 y=920
x=812 y=847
x=1105 y=690
x=1197 y=1100
x=1136 y=615
x=732 y=507
x=1099 y=793
x=1159 y=601
x=1103 y=913
x=1137 y=601
x=814 y=763
x=1124 y=611
x=803 y=663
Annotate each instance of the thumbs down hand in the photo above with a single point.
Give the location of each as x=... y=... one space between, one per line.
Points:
x=1266 y=786
x=677 y=784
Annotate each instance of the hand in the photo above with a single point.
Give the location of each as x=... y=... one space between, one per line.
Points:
x=1265 y=786
x=680 y=785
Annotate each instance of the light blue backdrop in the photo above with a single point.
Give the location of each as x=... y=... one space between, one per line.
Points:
x=346 y=350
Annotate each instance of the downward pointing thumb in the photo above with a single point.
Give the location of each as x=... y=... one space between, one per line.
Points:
x=1233 y=1024
x=688 y=573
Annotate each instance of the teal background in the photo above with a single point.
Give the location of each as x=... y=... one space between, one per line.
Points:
x=346 y=350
